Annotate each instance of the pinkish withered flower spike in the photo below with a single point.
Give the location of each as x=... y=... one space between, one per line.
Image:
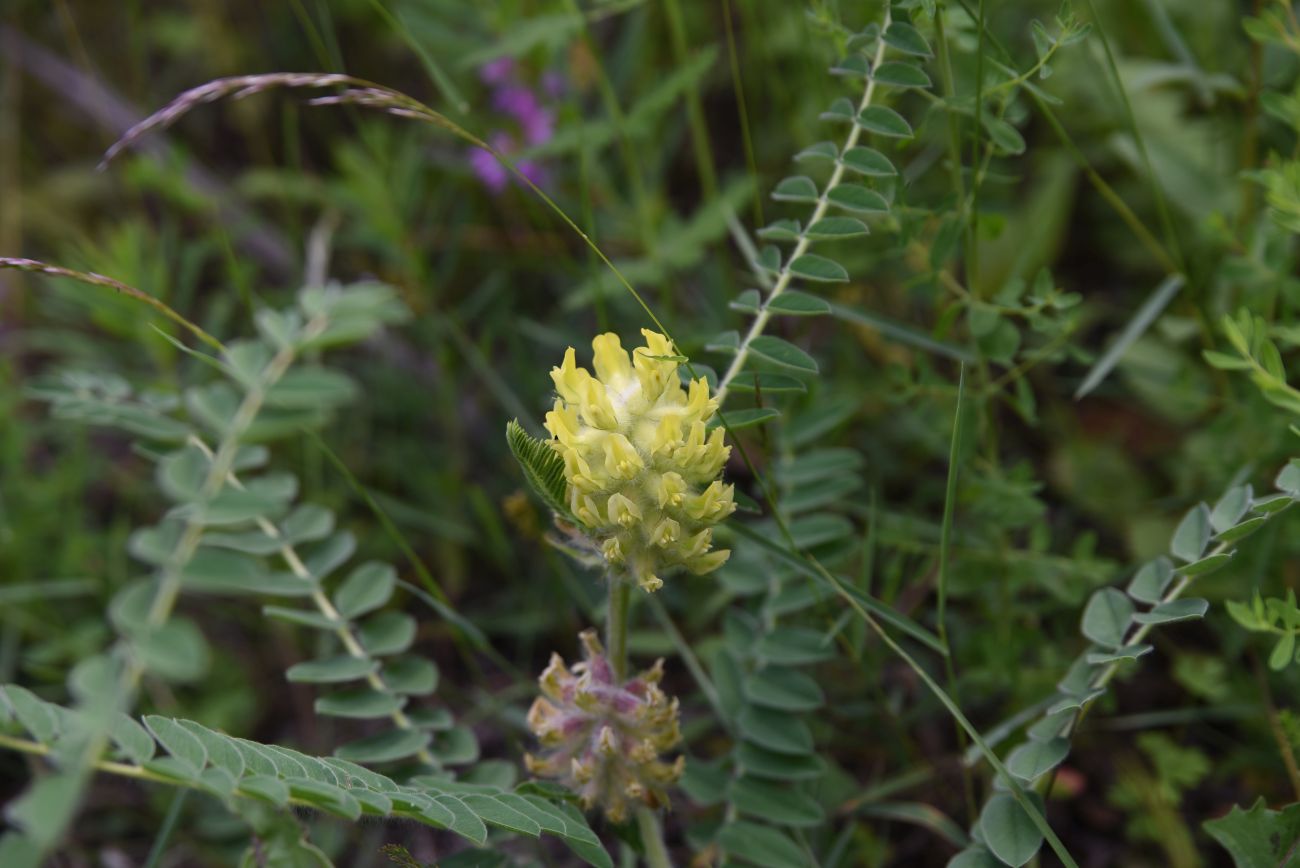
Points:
x=602 y=739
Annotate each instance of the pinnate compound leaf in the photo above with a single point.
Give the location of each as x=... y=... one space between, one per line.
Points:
x=542 y=466
x=182 y=744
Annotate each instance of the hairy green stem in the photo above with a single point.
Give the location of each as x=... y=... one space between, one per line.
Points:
x=620 y=603
x=652 y=838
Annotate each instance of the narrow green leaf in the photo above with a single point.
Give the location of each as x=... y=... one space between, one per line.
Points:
x=361 y=703
x=386 y=746
x=782 y=352
x=781 y=230
x=869 y=162
x=810 y=266
x=1187 y=609
x=899 y=74
x=835 y=228
x=884 y=122
x=332 y=670
x=747 y=418
x=792 y=302
x=1006 y=138
x=799 y=188
x=857 y=198
x=820 y=151
x=1137 y=326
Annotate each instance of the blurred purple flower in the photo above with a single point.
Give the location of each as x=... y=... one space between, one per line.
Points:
x=522 y=106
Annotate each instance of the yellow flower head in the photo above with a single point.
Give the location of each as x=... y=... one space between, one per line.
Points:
x=641 y=465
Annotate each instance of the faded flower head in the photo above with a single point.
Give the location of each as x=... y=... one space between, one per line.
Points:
x=602 y=739
x=641 y=466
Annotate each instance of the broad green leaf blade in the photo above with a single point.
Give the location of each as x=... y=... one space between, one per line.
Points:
x=1258 y=838
x=783 y=689
x=1149 y=583
x=1106 y=617
x=903 y=37
x=365 y=589
x=1192 y=535
x=1008 y=831
x=1033 y=759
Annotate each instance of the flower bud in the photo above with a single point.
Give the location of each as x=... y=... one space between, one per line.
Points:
x=603 y=739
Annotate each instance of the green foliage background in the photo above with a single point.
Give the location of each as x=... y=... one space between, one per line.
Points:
x=1120 y=208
